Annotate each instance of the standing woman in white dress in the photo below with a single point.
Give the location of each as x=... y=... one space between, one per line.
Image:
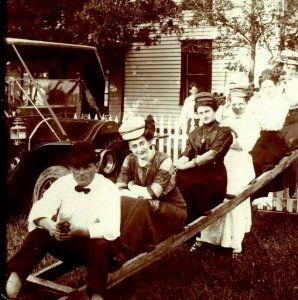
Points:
x=230 y=230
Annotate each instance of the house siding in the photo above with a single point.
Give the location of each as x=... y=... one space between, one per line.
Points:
x=152 y=78
x=153 y=73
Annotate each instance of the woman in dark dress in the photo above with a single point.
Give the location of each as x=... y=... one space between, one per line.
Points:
x=201 y=174
x=152 y=206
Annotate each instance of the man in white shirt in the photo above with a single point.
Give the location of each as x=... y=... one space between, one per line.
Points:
x=76 y=220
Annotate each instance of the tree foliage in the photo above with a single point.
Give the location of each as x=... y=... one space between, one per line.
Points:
x=248 y=24
x=107 y=24
x=42 y=20
x=114 y=25
x=118 y=24
x=288 y=20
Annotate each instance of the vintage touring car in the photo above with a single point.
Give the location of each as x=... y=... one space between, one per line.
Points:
x=54 y=96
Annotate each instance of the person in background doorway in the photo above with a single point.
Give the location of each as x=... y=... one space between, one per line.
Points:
x=188 y=114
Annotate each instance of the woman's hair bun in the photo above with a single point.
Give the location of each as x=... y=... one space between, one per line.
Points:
x=268 y=74
x=150 y=123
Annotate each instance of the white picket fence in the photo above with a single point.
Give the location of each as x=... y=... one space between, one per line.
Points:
x=172 y=140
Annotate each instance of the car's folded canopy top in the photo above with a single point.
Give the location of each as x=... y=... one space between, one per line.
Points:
x=61 y=61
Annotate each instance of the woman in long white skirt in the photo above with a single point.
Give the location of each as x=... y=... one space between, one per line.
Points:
x=229 y=231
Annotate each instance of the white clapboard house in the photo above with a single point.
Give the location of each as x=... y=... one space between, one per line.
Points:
x=155 y=78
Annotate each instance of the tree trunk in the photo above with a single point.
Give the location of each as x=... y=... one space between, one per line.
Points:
x=251 y=74
x=253 y=45
x=282 y=5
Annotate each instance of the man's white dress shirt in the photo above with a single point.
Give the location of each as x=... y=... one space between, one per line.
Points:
x=99 y=210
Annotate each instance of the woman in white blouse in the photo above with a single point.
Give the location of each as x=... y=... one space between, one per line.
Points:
x=270 y=109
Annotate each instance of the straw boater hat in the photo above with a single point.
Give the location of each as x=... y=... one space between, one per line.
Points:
x=132 y=128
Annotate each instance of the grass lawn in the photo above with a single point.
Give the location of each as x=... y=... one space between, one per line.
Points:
x=266 y=269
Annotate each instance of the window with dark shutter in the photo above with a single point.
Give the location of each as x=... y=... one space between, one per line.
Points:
x=196 y=66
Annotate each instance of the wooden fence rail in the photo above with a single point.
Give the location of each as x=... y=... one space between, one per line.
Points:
x=145 y=259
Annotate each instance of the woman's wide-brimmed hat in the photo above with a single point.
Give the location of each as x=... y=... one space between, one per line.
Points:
x=81 y=154
x=132 y=128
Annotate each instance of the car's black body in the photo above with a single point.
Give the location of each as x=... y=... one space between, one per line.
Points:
x=35 y=161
